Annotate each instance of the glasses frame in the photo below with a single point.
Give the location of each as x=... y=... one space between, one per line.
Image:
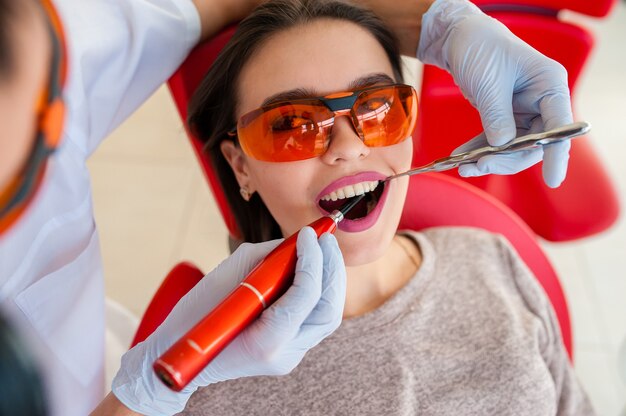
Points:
x=340 y=104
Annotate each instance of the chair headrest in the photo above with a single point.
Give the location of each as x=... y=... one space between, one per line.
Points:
x=596 y=8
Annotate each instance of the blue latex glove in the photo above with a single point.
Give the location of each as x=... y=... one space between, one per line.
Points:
x=516 y=89
x=274 y=344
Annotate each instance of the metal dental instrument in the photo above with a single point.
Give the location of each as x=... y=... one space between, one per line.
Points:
x=527 y=142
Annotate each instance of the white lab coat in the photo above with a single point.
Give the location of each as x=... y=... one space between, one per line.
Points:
x=51 y=279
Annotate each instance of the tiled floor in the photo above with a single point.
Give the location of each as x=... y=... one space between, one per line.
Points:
x=153 y=209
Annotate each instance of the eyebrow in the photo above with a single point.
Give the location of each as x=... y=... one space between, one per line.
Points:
x=300 y=93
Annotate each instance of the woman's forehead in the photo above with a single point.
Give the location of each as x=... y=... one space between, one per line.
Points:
x=361 y=82
x=321 y=57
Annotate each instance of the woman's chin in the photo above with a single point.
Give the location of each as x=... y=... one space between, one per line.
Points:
x=359 y=252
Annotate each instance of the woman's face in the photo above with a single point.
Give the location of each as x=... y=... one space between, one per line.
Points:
x=324 y=57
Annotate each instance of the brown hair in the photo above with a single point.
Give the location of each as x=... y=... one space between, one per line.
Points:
x=212 y=108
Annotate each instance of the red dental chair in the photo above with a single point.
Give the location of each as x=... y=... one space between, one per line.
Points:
x=586 y=203
x=433 y=200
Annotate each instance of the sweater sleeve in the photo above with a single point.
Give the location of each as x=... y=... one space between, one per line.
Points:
x=572 y=400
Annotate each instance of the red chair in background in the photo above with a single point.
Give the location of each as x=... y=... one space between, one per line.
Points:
x=433 y=200
x=586 y=203
x=176 y=284
x=182 y=86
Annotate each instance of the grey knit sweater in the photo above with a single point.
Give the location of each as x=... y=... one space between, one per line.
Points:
x=472 y=333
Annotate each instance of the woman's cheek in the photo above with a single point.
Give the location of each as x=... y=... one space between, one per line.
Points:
x=402 y=155
x=285 y=193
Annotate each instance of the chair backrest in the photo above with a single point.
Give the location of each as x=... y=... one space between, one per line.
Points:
x=182 y=85
x=558 y=215
x=433 y=200
x=595 y=8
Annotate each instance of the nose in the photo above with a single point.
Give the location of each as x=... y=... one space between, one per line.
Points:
x=345 y=144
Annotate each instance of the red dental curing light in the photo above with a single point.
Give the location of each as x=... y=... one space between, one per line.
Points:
x=269 y=280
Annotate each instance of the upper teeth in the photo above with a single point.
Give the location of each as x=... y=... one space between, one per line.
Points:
x=351 y=190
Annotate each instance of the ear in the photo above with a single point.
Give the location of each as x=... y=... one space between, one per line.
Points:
x=238 y=163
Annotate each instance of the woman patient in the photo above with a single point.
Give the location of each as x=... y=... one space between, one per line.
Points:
x=304 y=109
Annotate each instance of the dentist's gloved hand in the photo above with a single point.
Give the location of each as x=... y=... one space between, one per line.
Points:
x=516 y=89
x=274 y=344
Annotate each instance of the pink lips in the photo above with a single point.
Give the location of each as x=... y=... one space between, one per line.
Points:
x=362 y=224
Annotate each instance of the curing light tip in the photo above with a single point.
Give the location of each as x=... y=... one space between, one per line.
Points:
x=344 y=210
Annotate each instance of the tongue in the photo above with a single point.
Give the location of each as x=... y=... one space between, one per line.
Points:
x=360 y=210
x=331 y=206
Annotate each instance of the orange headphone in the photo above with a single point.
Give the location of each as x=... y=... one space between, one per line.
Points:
x=50 y=110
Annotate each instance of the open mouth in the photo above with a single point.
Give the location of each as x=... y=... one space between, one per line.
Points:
x=373 y=191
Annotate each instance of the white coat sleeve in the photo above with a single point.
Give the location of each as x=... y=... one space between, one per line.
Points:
x=120 y=52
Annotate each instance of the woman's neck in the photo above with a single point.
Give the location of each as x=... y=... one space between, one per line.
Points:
x=371 y=284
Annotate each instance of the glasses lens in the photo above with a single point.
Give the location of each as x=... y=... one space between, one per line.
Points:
x=386 y=116
x=300 y=130
x=285 y=133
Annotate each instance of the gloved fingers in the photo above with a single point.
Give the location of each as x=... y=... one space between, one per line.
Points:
x=556 y=157
x=327 y=314
x=217 y=284
x=230 y=272
x=329 y=309
x=506 y=164
x=241 y=262
x=556 y=105
x=322 y=320
x=510 y=163
x=525 y=124
x=473 y=144
x=556 y=111
x=496 y=113
x=267 y=346
x=280 y=323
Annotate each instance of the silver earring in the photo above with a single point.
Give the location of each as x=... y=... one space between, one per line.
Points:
x=245 y=194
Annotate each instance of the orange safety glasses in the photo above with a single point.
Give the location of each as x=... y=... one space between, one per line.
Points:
x=50 y=111
x=300 y=129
